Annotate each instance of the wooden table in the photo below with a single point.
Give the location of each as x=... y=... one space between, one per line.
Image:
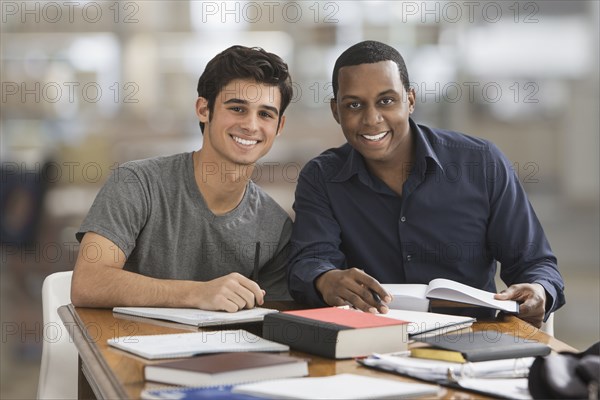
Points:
x=105 y=372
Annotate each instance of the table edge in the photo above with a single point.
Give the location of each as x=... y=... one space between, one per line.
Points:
x=102 y=380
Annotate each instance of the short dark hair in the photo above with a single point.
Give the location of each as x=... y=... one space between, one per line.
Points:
x=240 y=62
x=369 y=52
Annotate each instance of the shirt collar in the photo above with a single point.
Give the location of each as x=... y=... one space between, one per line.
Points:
x=355 y=164
x=423 y=148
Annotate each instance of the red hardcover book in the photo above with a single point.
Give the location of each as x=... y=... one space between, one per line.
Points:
x=336 y=332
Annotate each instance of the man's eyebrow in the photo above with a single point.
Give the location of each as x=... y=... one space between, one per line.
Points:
x=384 y=93
x=246 y=102
x=387 y=92
x=236 y=101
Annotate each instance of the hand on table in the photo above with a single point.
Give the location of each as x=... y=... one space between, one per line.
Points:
x=231 y=293
x=352 y=287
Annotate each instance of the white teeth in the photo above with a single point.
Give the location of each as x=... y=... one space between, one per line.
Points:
x=375 y=138
x=244 y=141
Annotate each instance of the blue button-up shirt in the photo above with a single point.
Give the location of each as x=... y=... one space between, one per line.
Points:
x=462 y=209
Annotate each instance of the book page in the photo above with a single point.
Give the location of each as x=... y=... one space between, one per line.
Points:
x=407 y=296
x=447 y=289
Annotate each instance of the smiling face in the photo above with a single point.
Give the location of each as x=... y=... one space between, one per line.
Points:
x=244 y=122
x=372 y=106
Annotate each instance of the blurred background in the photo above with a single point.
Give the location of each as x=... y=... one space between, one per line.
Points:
x=87 y=85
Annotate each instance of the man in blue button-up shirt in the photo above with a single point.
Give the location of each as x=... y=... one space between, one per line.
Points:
x=404 y=203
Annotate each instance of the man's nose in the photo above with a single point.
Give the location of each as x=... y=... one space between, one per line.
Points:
x=250 y=123
x=372 y=116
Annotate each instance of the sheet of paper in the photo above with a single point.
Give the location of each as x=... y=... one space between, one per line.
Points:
x=507 y=388
x=342 y=386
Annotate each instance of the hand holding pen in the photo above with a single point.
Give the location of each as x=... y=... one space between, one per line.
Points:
x=353 y=287
x=231 y=293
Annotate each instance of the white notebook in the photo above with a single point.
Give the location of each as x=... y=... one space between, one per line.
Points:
x=194 y=316
x=342 y=386
x=427 y=322
x=178 y=345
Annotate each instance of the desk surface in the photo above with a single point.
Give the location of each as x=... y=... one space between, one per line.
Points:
x=113 y=373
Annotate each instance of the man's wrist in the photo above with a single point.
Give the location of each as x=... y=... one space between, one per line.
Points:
x=188 y=292
x=548 y=299
x=318 y=283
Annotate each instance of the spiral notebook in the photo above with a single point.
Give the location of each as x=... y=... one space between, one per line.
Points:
x=197 y=317
x=177 y=345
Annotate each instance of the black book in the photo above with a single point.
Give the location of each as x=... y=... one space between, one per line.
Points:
x=478 y=346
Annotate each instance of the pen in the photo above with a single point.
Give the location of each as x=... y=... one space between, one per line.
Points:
x=375 y=296
x=256 y=262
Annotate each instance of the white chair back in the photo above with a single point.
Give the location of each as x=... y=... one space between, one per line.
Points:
x=548 y=326
x=58 y=370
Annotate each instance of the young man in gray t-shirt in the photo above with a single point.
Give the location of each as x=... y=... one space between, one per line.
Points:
x=192 y=229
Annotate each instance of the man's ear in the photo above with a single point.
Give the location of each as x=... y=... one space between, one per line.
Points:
x=334 y=110
x=411 y=96
x=281 y=125
x=202 y=110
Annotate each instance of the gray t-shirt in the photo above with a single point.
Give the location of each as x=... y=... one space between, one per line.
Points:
x=154 y=212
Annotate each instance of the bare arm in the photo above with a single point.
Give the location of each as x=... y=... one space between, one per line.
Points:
x=100 y=281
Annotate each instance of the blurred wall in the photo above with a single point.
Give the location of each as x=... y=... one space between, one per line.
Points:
x=87 y=85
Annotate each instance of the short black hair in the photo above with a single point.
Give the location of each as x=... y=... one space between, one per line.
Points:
x=369 y=52
x=240 y=62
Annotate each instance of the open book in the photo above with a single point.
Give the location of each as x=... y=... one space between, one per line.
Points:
x=416 y=296
x=193 y=316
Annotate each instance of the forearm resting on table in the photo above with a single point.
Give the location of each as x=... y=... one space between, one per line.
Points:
x=101 y=281
x=106 y=287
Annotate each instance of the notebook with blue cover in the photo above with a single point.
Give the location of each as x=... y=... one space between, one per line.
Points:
x=191 y=393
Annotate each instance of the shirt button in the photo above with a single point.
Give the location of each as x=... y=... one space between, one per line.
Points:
x=403 y=219
x=408 y=257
